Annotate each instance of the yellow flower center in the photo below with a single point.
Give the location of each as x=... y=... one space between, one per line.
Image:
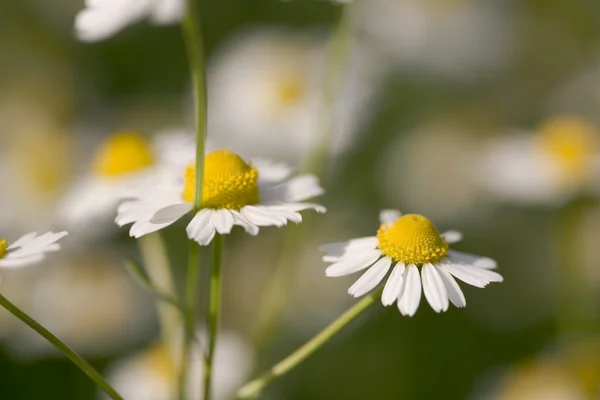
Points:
x=121 y=154
x=571 y=142
x=229 y=182
x=3 y=246
x=159 y=360
x=412 y=239
x=289 y=90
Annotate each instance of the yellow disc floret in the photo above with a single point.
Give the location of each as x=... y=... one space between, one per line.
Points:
x=412 y=239
x=229 y=182
x=122 y=154
x=571 y=142
x=3 y=246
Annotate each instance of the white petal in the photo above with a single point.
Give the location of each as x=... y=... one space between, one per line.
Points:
x=270 y=215
x=300 y=207
x=455 y=294
x=200 y=228
x=22 y=240
x=167 y=12
x=142 y=228
x=389 y=216
x=464 y=275
x=39 y=244
x=21 y=261
x=457 y=257
x=338 y=249
x=410 y=298
x=370 y=279
x=434 y=289
x=296 y=189
x=171 y=213
x=452 y=237
x=222 y=220
x=244 y=223
x=393 y=286
x=269 y=171
x=349 y=266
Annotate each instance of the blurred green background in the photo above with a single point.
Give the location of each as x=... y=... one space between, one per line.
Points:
x=431 y=110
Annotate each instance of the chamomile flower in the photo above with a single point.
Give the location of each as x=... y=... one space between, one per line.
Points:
x=152 y=374
x=550 y=166
x=234 y=193
x=29 y=249
x=420 y=260
x=123 y=161
x=101 y=19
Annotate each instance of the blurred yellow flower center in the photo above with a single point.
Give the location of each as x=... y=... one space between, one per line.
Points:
x=121 y=154
x=412 y=239
x=229 y=182
x=3 y=246
x=289 y=90
x=571 y=142
x=159 y=360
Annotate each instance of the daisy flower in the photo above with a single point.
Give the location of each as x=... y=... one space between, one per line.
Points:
x=273 y=80
x=101 y=19
x=420 y=259
x=121 y=162
x=30 y=248
x=551 y=166
x=152 y=374
x=234 y=193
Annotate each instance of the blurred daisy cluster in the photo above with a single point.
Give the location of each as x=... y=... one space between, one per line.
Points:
x=481 y=115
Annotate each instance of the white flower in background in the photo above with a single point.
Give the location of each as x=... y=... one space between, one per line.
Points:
x=234 y=193
x=152 y=375
x=458 y=39
x=85 y=297
x=101 y=19
x=272 y=81
x=551 y=166
x=407 y=244
x=29 y=249
x=122 y=162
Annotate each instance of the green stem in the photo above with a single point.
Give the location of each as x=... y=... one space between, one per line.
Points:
x=214 y=306
x=256 y=386
x=60 y=345
x=191 y=306
x=156 y=263
x=192 y=33
x=273 y=302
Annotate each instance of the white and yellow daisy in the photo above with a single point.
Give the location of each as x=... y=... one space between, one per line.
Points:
x=410 y=243
x=29 y=249
x=124 y=160
x=152 y=374
x=101 y=19
x=558 y=162
x=272 y=79
x=234 y=193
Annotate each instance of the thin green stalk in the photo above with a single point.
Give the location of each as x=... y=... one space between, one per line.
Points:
x=158 y=268
x=60 y=345
x=214 y=307
x=191 y=306
x=316 y=161
x=255 y=387
x=192 y=33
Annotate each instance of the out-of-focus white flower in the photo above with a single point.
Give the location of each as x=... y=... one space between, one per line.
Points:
x=234 y=193
x=29 y=249
x=266 y=94
x=551 y=166
x=152 y=375
x=452 y=192
x=122 y=162
x=101 y=19
x=460 y=39
x=406 y=244
x=88 y=300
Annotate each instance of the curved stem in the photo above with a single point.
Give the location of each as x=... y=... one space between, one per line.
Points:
x=256 y=386
x=190 y=320
x=60 y=345
x=214 y=306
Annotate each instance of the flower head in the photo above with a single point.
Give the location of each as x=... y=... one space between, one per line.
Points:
x=101 y=19
x=420 y=260
x=234 y=192
x=121 y=162
x=28 y=249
